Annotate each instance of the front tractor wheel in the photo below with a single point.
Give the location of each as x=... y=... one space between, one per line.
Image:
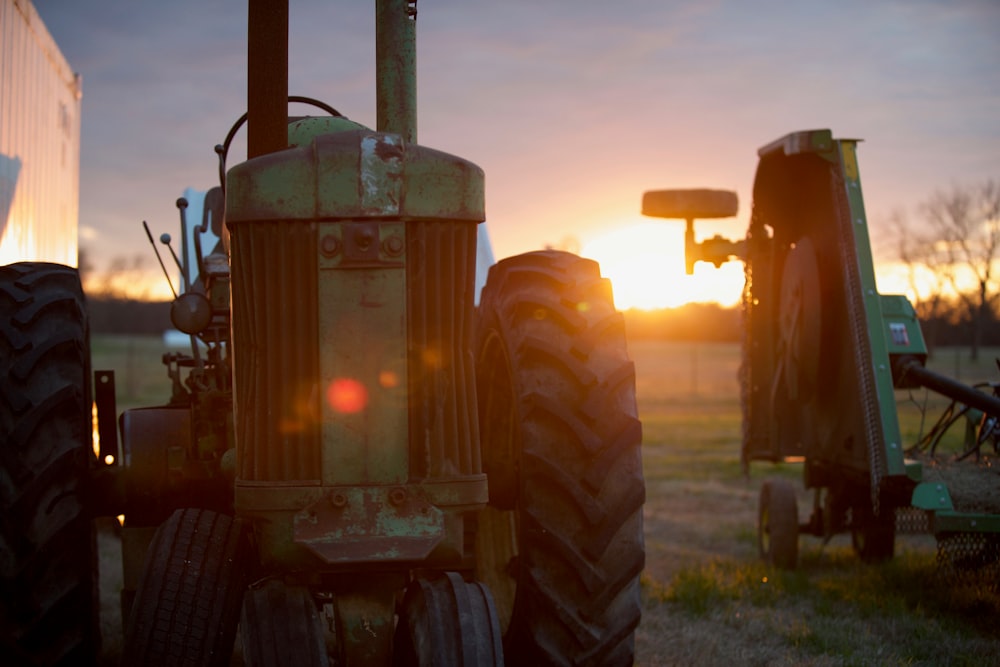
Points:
x=445 y=620
x=281 y=625
x=560 y=545
x=187 y=605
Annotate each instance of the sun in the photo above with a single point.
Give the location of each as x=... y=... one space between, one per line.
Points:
x=645 y=262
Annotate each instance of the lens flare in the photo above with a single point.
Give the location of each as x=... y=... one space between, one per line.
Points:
x=431 y=356
x=347 y=396
x=388 y=379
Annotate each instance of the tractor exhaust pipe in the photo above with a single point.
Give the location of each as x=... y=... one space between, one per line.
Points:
x=267 y=81
x=267 y=77
x=396 y=67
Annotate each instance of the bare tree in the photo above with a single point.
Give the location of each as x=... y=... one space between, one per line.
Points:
x=915 y=252
x=123 y=279
x=960 y=247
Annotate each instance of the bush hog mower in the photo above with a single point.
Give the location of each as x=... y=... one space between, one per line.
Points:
x=822 y=353
x=357 y=466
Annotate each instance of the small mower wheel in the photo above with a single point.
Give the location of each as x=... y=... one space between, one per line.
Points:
x=281 y=626
x=187 y=603
x=48 y=566
x=873 y=537
x=448 y=622
x=778 y=524
x=561 y=544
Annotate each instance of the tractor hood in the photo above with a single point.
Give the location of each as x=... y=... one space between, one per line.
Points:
x=355 y=173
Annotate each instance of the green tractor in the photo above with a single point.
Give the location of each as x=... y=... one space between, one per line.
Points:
x=358 y=466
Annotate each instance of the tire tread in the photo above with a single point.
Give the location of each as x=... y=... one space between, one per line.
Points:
x=581 y=490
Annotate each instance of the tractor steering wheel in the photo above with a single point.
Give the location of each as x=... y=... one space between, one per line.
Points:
x=223 y=149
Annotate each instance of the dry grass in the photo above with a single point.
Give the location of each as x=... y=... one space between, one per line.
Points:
x=709 y=600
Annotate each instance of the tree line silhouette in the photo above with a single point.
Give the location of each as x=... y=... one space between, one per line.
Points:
x=948 y=325
x=950 y=249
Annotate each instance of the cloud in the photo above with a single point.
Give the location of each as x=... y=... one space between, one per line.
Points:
x=572 y=107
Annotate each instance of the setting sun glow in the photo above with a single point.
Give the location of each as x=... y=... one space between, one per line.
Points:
x=645 y=262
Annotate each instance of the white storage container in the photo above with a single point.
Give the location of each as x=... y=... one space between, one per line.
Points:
x=39 y=141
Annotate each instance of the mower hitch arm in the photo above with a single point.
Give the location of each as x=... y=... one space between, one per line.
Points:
x=911 y=369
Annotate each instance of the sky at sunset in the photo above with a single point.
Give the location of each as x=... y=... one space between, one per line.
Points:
x=572 y=107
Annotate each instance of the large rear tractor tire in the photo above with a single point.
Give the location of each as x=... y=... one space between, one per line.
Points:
x=187 y=604
x=48 y=572
x=561 y=544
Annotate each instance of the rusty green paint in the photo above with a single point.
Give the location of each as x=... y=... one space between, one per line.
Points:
x=370 y=524
x=301 y=132
x=468 y=492
x=329 y=178
x=362 y=341
x=360 y=192
x=396 y=68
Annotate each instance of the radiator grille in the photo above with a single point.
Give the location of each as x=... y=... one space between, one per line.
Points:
x=440 y=277
x=274 y=283
x=275 y=340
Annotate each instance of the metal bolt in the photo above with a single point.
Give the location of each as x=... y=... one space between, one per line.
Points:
x=397 y=496
x=393 y=246
x=338 y=499
x=329 y=245
x=363 y=238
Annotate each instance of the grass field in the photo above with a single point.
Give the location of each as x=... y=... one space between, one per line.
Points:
x=140 y=375
x=708 y=600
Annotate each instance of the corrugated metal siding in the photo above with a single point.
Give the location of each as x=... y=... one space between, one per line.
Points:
x=39 y=141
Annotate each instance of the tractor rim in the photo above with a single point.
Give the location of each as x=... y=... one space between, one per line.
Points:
x=497 y=531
